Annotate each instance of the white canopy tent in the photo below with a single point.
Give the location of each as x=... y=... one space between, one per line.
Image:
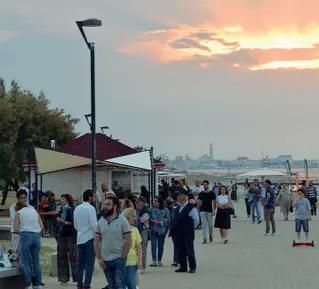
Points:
x=139 y=161
x=262 y=173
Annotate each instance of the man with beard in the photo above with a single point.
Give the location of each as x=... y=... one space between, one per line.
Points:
x=114 y=233
x=183 y=228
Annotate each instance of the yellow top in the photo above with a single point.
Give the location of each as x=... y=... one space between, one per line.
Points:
x=132 y=254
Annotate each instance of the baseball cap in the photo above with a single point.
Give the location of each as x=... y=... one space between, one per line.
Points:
x=141 y=199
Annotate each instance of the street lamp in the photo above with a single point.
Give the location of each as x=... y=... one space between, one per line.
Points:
x=92 y=22
x=104 y=128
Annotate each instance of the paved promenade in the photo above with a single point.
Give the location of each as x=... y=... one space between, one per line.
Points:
x=248 y=261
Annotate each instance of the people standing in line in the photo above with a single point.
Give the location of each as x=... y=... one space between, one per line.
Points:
x=159 y=224
x=312 y=197
x=183 y=228
x=223 y=220
x=146 y=194
x=284 y=198
x=112 y=243
x=246 y=194
x=134 y=257
x=269 y=208
x=15 y=238
x=234 y=198
x=173 y=212
x=66 y=241
x=28 y=224
x=302 y=212
x=254 y=200
x=206 y=204
x=142 y=222
x=85 y=222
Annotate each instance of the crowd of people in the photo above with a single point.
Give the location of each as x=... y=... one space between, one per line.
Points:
x=117 y=233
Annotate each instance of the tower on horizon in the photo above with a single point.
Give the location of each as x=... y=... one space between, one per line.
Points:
x=211 y=151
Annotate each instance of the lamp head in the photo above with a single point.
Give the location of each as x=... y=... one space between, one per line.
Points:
x=91 y=22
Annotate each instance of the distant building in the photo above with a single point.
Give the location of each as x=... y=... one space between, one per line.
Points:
x=211 y=151
x=242 y=159
x=285 y=157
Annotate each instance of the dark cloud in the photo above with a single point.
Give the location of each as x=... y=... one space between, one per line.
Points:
x=204 y=35
x=226 y=43
x=183 y=43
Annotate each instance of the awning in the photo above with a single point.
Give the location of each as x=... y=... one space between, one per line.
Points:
x=49 y=161
x=139 y=161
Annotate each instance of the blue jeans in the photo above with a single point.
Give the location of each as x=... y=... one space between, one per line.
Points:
x=255 y=210
x=86 y=262
x=115 y=273
x=302 y=223
x=157 y=242
x=131 y=277
x=30 y=245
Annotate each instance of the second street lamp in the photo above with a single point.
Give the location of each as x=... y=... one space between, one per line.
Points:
x=81 y=24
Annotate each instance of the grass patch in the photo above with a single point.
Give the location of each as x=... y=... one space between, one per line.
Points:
x=45 y=257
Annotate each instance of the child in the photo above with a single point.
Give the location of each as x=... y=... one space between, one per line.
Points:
x=303 y=208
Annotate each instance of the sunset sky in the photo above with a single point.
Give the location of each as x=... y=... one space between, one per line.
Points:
x=177 y=74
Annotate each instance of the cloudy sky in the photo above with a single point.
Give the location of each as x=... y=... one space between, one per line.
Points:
x=177 y=74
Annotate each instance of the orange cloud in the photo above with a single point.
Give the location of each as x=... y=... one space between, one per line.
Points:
x=258 y=35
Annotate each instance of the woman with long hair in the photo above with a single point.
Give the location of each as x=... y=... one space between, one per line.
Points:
x=128 y=201
x=15 y=238
x=66 y=241
x=160 y=222
x=134 y=257
x=28 y=224
x=223 y=220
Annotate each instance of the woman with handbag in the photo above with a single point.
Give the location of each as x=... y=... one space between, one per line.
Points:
x=223 y=220
x=66 y=241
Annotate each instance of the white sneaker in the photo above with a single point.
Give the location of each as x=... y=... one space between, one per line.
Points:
x=30 y=287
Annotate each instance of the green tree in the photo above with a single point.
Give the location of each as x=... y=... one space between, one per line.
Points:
x=27 y=120
x=140 y=149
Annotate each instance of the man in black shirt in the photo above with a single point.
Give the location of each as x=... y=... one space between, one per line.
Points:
x=206 y=202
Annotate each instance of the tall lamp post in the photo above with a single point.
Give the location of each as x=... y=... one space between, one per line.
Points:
x=81 y=24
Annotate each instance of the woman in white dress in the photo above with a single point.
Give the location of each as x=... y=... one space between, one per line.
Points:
x=223 y=220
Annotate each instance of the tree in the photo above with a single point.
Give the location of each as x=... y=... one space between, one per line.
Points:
x=27 y=120
x=140 y=149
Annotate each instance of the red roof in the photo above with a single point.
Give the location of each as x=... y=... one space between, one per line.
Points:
x=106 y=148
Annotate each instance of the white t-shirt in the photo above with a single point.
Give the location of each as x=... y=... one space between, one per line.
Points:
x=222 y=200
x=29 y=221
